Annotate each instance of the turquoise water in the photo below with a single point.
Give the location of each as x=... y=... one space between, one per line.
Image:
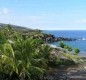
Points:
x=79 y=35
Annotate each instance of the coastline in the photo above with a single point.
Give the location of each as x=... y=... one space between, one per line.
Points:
x=81 y=54
x=80 y=37
x=73 y=72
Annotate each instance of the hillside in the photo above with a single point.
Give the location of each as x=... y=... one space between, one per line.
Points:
x=18 y=28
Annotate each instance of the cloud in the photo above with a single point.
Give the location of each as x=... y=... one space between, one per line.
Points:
x=4 y=11
x=81 y=21
x=0 y=13
x=5 y=15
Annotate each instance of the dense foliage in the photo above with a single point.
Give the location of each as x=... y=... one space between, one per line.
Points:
x=25 y=57
x=22 y=58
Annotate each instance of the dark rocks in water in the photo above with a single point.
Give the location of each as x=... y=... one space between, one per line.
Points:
x=64 y=39
x=49 y=38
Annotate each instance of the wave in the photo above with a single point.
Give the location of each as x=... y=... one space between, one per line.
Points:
x=82 y=39
x=54 y=46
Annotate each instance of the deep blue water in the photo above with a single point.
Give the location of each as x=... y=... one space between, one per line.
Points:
x=80 y=35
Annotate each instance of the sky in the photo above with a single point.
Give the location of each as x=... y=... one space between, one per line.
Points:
x=44 y=14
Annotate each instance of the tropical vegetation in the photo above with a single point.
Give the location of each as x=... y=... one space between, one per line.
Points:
x=69 y=48
x=23 y=57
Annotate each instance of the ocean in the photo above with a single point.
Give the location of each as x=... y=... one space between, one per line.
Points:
x=80 y=35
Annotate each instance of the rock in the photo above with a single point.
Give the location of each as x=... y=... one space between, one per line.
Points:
x=64 y=39
x=49 y=38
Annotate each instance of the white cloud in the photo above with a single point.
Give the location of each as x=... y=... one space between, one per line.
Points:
x=0 y=13
x=5 y=15
x=4 y=11
x=81 y=21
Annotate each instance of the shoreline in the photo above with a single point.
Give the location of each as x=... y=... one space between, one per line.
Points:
x=81 y=54
x=73 y=72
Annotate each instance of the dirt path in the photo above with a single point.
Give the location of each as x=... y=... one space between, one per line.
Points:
x=71 y=73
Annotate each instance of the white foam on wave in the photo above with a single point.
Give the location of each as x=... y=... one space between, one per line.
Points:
x=82 y=39
x=54 y=46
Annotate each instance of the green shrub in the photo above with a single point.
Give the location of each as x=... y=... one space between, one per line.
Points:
x=61 y=44
x=69 y=49
x=66 y=47
x=76 y=51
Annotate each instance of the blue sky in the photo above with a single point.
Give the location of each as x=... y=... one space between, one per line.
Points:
x=45 y=14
